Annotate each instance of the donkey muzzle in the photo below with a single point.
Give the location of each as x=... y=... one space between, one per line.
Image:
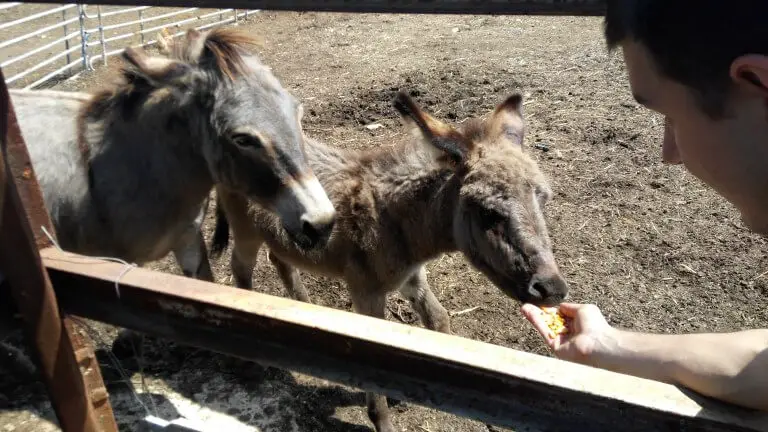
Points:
x=549 y=290
x=307 y=213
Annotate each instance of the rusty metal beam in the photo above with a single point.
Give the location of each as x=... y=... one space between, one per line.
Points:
x=64 y=358
x=3 y=177
x=496 y=7
x=21 y=172
x=470 y=378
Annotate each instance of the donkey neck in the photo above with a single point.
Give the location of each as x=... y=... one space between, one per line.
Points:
x=146 y=152
x=420 y=197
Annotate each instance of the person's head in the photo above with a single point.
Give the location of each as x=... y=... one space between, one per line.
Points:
x=704 y=66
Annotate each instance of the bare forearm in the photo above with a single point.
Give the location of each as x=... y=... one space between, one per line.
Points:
x=732 y=367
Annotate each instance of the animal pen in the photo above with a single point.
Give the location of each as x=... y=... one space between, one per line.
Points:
x=489 y=383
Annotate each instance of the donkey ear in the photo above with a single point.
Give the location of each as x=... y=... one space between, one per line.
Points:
x=159 y=71
x=195 y=44
x=441 y=136
x=506 y=122
x=513 y=103
x=164 y=41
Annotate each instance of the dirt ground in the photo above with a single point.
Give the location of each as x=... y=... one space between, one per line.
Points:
x=648 y=243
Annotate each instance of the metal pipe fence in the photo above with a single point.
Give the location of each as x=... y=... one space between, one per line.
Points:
x=44 y=44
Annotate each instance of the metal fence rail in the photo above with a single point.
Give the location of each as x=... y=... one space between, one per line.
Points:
x=485 y=382
x=86 y=35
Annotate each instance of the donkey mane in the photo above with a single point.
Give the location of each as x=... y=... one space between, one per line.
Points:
x=224 y=47
x=392 y=169
x=224 y=51
x=474 y=129
x=408 y=153
x=409 y=156
x=122 y=97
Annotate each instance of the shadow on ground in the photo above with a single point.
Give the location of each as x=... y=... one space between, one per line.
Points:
x=177 y=382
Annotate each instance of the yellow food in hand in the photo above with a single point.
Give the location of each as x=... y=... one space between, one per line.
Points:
x=555 y=321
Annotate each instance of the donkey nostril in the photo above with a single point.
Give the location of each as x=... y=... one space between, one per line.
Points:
x=317 y=232
x=549 y=289
x=309 y=230
x=538 y=290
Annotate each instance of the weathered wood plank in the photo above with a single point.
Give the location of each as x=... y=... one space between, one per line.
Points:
x=470 y=378
x=501 y=7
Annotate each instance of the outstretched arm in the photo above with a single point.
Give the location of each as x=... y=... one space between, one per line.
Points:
x=732 y=367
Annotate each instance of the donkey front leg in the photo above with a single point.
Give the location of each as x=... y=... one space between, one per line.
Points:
x=243 y=260
x=373 y=304
x=291 y=278
x=433 y=315
x=247 y=239
x=191 y=254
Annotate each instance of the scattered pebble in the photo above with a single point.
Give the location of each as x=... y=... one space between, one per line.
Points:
x=374 y=126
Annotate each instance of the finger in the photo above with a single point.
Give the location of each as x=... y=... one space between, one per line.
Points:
x=557 y=342
x=570 y=309
x=533 y=314
x=529 y=310
x=536 y=317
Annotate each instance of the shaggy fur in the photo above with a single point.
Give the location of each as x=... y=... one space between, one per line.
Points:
x=471 y=189
x=126 y=172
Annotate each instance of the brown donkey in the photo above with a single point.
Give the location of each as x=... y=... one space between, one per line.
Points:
x=471 y=189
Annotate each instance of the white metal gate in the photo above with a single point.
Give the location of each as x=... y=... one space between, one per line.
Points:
x=39 y=46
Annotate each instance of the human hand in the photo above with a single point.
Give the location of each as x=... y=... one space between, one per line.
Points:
x=588 y=331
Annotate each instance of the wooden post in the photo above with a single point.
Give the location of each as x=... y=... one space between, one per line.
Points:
x=65 y=359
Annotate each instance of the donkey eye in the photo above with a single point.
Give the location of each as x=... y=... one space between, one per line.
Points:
x=542 y=196
x=490 y=219
x=543 y=200
x=513 y=135
x=247 y=141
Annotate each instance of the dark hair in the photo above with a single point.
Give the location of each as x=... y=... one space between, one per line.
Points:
x=693 y=42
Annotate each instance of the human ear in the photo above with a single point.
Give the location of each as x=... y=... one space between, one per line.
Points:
x=750 y=72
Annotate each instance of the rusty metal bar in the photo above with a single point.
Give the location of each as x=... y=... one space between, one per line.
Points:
x=3 y=177
x=500 y=7
x=91 y=374
x=470 y=378
x=58 y=347
x=20 y=172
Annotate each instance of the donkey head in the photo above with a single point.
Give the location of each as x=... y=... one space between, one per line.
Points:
x=243 y=122
x=500 y=194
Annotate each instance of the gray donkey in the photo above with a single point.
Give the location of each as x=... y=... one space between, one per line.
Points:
x=126 y=172
x=471 y=189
